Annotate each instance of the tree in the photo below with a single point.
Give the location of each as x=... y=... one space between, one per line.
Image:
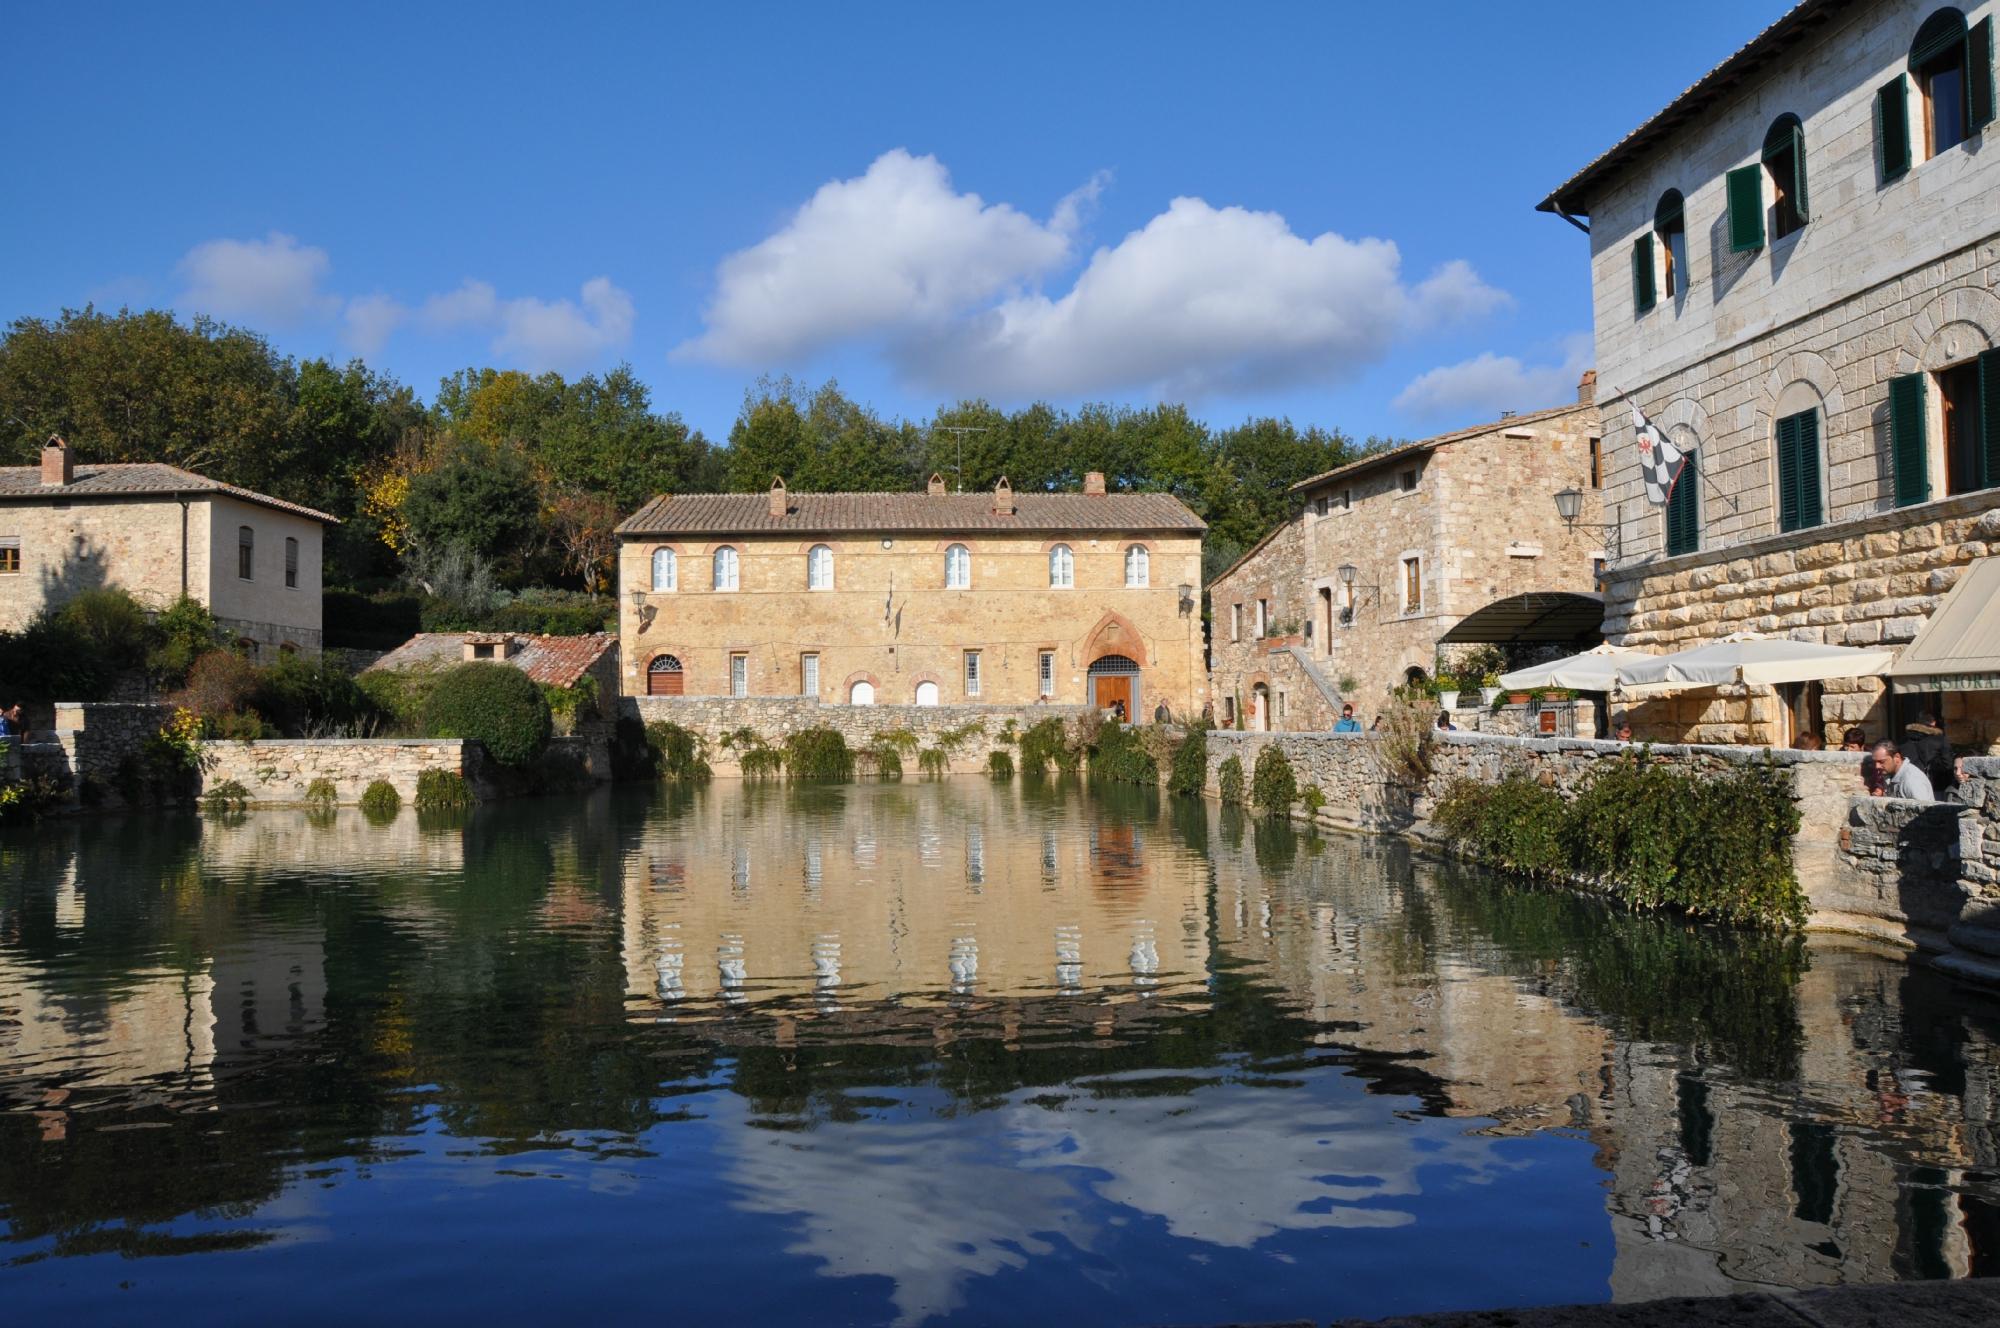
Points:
x=820 y=441
x=481 y=498
x=584 y=526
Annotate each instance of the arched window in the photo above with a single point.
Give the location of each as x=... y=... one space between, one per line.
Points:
x=246 y=552
x=725 y=568
x=666 y=570
x=861 y=693
x=958 y=568
x=927 y=694
x=1953 y=68
x=1785 y=163
x=1062 y=567
x=664 y=677
x=1684 y=509
x=1136 y=566
x=1670 y=225
x=819 y=568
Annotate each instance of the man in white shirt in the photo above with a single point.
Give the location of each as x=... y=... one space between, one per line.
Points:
x=1902 y=778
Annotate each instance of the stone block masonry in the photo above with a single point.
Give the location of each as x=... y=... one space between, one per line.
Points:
x=278 y=771
x=776 y=717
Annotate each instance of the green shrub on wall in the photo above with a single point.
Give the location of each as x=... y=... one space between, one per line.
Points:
x=228 y=796
x=321 y=793
x=442 y=790
x=1229 y=780
x=1188 y=774
x=819 y=753
x=934 y=762
x=1717 y=845
x=380 y=800
x=677 y=753
x=1000 y=764
x=495 y=705
x=1045 y=743
x=1120 y=756
x=1273 y=786
x=1312 y=799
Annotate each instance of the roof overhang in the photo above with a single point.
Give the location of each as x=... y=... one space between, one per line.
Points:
x=1539 y=615
x=1958 y=649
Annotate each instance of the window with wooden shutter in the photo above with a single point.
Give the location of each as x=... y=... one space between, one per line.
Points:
x=1989 y=418
x=1798 y=471
x=1892 y=129
x=1684 y=510
x=1908 y=447
x=1785 y=159
x=1745 y=187
x=1642 y=273
x=1979 y=107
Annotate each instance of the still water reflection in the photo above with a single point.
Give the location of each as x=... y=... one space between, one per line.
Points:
x=931 y=1052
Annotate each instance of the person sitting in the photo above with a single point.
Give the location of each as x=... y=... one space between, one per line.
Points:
x=1925 y=744
x=1855 y=740
x=1623 y=733
x=1347 y=723
x=1902 y=777
x=1444 y=722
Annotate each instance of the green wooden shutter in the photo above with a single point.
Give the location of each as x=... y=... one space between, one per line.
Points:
x=1806 y=467
x=1788 y=473
x=1643 y=293
x=1892 y=128
x=1979 y=107
x=1799 y=172
x=1908 y=448
x=1746 y=208
x=1684 y=511
x=1989 y=419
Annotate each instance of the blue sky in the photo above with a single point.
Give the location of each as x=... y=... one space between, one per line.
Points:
x=1323 y=211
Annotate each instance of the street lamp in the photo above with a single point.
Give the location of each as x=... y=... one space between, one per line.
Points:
x=1569 y=502
x=641 y=609
x=1187 y=599
x=1347 y=573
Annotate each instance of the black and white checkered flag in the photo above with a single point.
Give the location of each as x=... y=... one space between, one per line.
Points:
x=1659 y=460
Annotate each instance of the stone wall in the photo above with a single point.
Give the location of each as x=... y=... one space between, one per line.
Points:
x=280 y=770
x=775 y=717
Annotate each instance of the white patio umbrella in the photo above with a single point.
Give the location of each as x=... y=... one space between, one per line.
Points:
x=1595 y=670
x=1764 y=660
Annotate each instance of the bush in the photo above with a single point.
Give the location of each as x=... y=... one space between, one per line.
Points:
x=1272 y=784
x=111 y=625
x=1229 y=780
x=999 y=764
x=442 y=790
x=220 y=682
x=1188 y=775
x=380 y=799
x=761 y=762
x=321 y=793
x=397 y=696
x=820 y=754
x=677 y=753
x=1045 y=743
x=568 y=705
x=228 y=796
x=181 y=635
x=1711 y=845
x=546 y=613
x=495 y=705
x=888 y=761
x=1312 y=799
x=311 y=698
x=934 y=762
x=239 y=726
x=1120 y=757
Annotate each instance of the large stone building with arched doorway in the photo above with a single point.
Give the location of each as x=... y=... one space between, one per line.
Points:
x=931 y=598
x=1411 y=550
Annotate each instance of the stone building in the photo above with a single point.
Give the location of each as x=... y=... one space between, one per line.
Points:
x=916 y=598
x=1795 y=270
x=160 y=532
x=1453 y=539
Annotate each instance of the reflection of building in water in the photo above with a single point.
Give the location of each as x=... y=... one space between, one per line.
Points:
x=889 y=891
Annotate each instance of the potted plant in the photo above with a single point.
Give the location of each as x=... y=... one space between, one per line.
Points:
x=1447 y=690
x=1489 y=688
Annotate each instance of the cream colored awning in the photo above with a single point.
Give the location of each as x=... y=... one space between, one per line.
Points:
x=1765 y=660
x=1595 y=670
x=1959 y=648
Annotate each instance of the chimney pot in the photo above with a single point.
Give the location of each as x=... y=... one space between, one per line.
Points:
x=58 y=464
x=1003 y=498
x=936 y=485
x=1093 y=483
x=779 y=504
x=1586 y=388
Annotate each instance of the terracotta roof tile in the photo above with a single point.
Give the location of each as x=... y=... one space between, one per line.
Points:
x=554 y=661
x=749 y=513
x=136 y=480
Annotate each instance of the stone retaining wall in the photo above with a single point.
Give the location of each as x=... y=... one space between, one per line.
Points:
x=776 y=717
x=280 y=770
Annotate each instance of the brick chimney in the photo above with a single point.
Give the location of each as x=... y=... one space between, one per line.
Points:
x=936 y=485
x=779 y=505
x=1003 y=498
x=58 y=465
x=1093 y=483
x=1586 y=389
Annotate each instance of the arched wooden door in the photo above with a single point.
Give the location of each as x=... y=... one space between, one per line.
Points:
x=1114 y=685
x=664 y=677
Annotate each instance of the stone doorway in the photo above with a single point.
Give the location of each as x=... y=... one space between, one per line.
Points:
x=1114 y=684
x=664 y=677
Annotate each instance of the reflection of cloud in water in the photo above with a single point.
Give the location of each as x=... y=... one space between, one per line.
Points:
x=932 y=1205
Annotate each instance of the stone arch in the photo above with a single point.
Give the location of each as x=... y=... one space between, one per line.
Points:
x=1804 y=380
x=1956 y=325
x=1114 y=634
x=917 y=683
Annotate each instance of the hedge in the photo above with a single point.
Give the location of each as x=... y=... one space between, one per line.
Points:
x=496 y=705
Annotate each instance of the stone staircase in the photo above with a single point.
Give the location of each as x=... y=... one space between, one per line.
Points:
x=1319 y=679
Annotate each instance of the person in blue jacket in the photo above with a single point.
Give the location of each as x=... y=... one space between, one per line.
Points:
x=1347 y=722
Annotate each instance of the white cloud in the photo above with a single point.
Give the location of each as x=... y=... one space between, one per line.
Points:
x=532 y=333
x=1200 y=299
x=894 y=248
x=273 y=281
x=1487 y=384
x=370 y=320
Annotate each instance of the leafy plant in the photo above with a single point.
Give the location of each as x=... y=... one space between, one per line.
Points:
x=818 y=754
x=951 y=740
x=1121 y=757
x=1229 y=780
x=496 y=705
x=999 y=764
x=888 y=762
x=900 y=740
x=934 y=762
x=761 y=762
x=1273 y=786
x=380 y=800
x=181 y=634
x=1046 y=743
x=442 y=790
x=1188 y=775
x=678 y=753
x=321 y=793
x=1312 y=799
x=1402 y=750
x=228 y=796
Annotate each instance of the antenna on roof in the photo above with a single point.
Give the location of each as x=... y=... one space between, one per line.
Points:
x=961 y=430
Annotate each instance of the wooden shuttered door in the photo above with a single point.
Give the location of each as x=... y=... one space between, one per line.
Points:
x=1684 y=510
x=1979 y=107
x=1746 y=208
x=1798 y=471
x=1643 y=292
x=1989 y=419
x=1892 y=129
x=664 y=677
x=1908 y=448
